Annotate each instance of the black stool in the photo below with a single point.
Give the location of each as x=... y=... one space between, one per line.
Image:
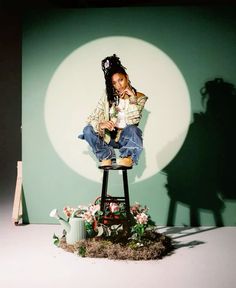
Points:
x=105 y=198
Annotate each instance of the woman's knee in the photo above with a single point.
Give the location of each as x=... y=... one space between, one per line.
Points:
x=88 y=130
x=133 y=129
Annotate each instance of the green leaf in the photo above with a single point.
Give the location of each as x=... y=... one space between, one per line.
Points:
x=82 y=251
x=116 y=213
x=56 y=240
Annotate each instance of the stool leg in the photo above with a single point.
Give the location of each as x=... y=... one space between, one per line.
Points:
x=104 y=188
x=126 y=192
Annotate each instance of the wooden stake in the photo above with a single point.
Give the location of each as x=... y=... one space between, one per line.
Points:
x=17 y=212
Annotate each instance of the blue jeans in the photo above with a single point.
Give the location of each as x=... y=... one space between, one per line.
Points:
x=129 y=144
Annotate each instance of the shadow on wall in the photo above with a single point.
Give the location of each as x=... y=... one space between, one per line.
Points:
x=139 y=169
x=201 y=176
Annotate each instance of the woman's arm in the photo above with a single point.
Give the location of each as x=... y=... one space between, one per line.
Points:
x=97 y=116
x=135 y=108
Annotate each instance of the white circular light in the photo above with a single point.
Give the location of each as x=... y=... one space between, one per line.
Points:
x=78 y=83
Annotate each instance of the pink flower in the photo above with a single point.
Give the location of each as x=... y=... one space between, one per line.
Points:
x=87 y=216
x=68 y=211
x=114 y=207
x=141 y=218
x=94 y=208
x=135 y=208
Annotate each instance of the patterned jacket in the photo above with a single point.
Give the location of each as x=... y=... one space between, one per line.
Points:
x=133 y=114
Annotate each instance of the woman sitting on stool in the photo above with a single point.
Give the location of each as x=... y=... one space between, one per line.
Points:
x=114 y=122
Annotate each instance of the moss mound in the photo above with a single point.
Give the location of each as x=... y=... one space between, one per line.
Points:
x=154 y=246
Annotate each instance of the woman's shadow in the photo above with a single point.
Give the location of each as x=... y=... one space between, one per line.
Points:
x=202 y=173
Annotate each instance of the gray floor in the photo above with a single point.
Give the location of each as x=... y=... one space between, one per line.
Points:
x=203 y=257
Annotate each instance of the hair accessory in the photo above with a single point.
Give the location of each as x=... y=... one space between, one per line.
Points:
x=106 y=64
x=111 y=63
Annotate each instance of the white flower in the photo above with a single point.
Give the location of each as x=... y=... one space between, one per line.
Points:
x=106 y=65
x=54 y=214
x=82 y=207
x=114 y=207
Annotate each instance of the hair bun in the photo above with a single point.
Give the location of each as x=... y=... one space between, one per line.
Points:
x=111 y=62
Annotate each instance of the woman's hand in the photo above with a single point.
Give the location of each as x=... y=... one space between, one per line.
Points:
x=107 y=125
x=128 y=91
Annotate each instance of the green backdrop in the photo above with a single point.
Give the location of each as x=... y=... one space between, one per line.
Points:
x=201 y=41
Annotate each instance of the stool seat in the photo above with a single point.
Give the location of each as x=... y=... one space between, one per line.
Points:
x=105 y=198
x=115 y=167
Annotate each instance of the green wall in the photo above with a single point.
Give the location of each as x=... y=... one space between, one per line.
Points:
x=201 y=41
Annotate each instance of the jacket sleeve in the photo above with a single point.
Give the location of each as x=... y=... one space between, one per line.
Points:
x=135 y=108
x=98 y=115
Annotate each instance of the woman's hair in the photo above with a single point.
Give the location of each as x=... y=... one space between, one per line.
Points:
x=110 y=66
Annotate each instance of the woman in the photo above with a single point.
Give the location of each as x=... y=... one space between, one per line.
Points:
x=114 y=122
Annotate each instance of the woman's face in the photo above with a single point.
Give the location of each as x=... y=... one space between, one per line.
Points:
x=119 y=82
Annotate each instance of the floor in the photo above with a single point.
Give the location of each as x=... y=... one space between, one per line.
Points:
x=204 y=257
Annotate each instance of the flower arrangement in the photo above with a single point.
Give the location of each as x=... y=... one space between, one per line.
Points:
x=99 y=224
x=109 y=233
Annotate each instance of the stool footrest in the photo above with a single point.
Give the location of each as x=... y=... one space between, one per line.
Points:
x=115 y=198
x=106 y=199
